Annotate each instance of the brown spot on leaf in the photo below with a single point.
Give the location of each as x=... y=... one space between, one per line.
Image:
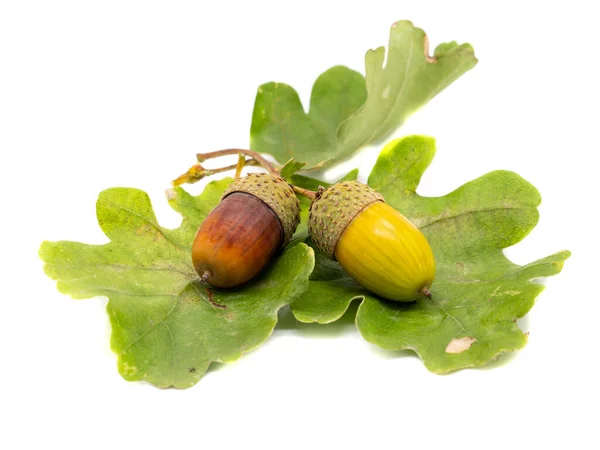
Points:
x=460 y=345
x=170 y=194
x=429 y=59
x=211 y=300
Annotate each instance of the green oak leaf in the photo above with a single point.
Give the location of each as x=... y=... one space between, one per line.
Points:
x=348 y=111
x=478 y=293
x=290 y=168
x=165 y=329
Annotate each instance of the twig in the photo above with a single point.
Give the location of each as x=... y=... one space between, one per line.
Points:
x=311 y=195
x=240 y=165
x=197 y=172
x=233 y=151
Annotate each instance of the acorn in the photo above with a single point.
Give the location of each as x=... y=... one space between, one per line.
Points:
x=378 y=247
x=257 y=216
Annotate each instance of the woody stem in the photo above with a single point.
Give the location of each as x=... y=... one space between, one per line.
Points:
x=240 y=165
x=235 y=151
x=197 y=172
x=311 y=195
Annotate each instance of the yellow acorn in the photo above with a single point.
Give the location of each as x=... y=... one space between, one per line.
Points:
x=378 y=247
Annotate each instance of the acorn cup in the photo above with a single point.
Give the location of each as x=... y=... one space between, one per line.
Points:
x=257 y=216
x=378 y=247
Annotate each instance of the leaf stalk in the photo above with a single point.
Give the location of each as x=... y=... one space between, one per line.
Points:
x=234 y=151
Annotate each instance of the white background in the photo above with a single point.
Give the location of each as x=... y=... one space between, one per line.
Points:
x=123 y=93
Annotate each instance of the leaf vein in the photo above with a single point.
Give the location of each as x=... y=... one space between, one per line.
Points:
x=152 y=327
x=153 y=224
x=400 y=92
x=470 y=211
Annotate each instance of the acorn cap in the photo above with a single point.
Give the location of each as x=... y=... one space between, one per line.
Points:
x=333 y=210
x=276 y=193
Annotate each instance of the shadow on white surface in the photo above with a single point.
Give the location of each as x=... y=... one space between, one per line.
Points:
x=346 y=325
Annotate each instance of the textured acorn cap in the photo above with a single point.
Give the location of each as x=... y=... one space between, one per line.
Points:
x=276 y=193
x=333 y=210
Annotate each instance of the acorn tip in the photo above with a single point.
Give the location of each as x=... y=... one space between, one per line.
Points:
x=425 y=291
x=204 y=277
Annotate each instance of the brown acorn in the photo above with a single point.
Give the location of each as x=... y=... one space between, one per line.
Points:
x=257 y=216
